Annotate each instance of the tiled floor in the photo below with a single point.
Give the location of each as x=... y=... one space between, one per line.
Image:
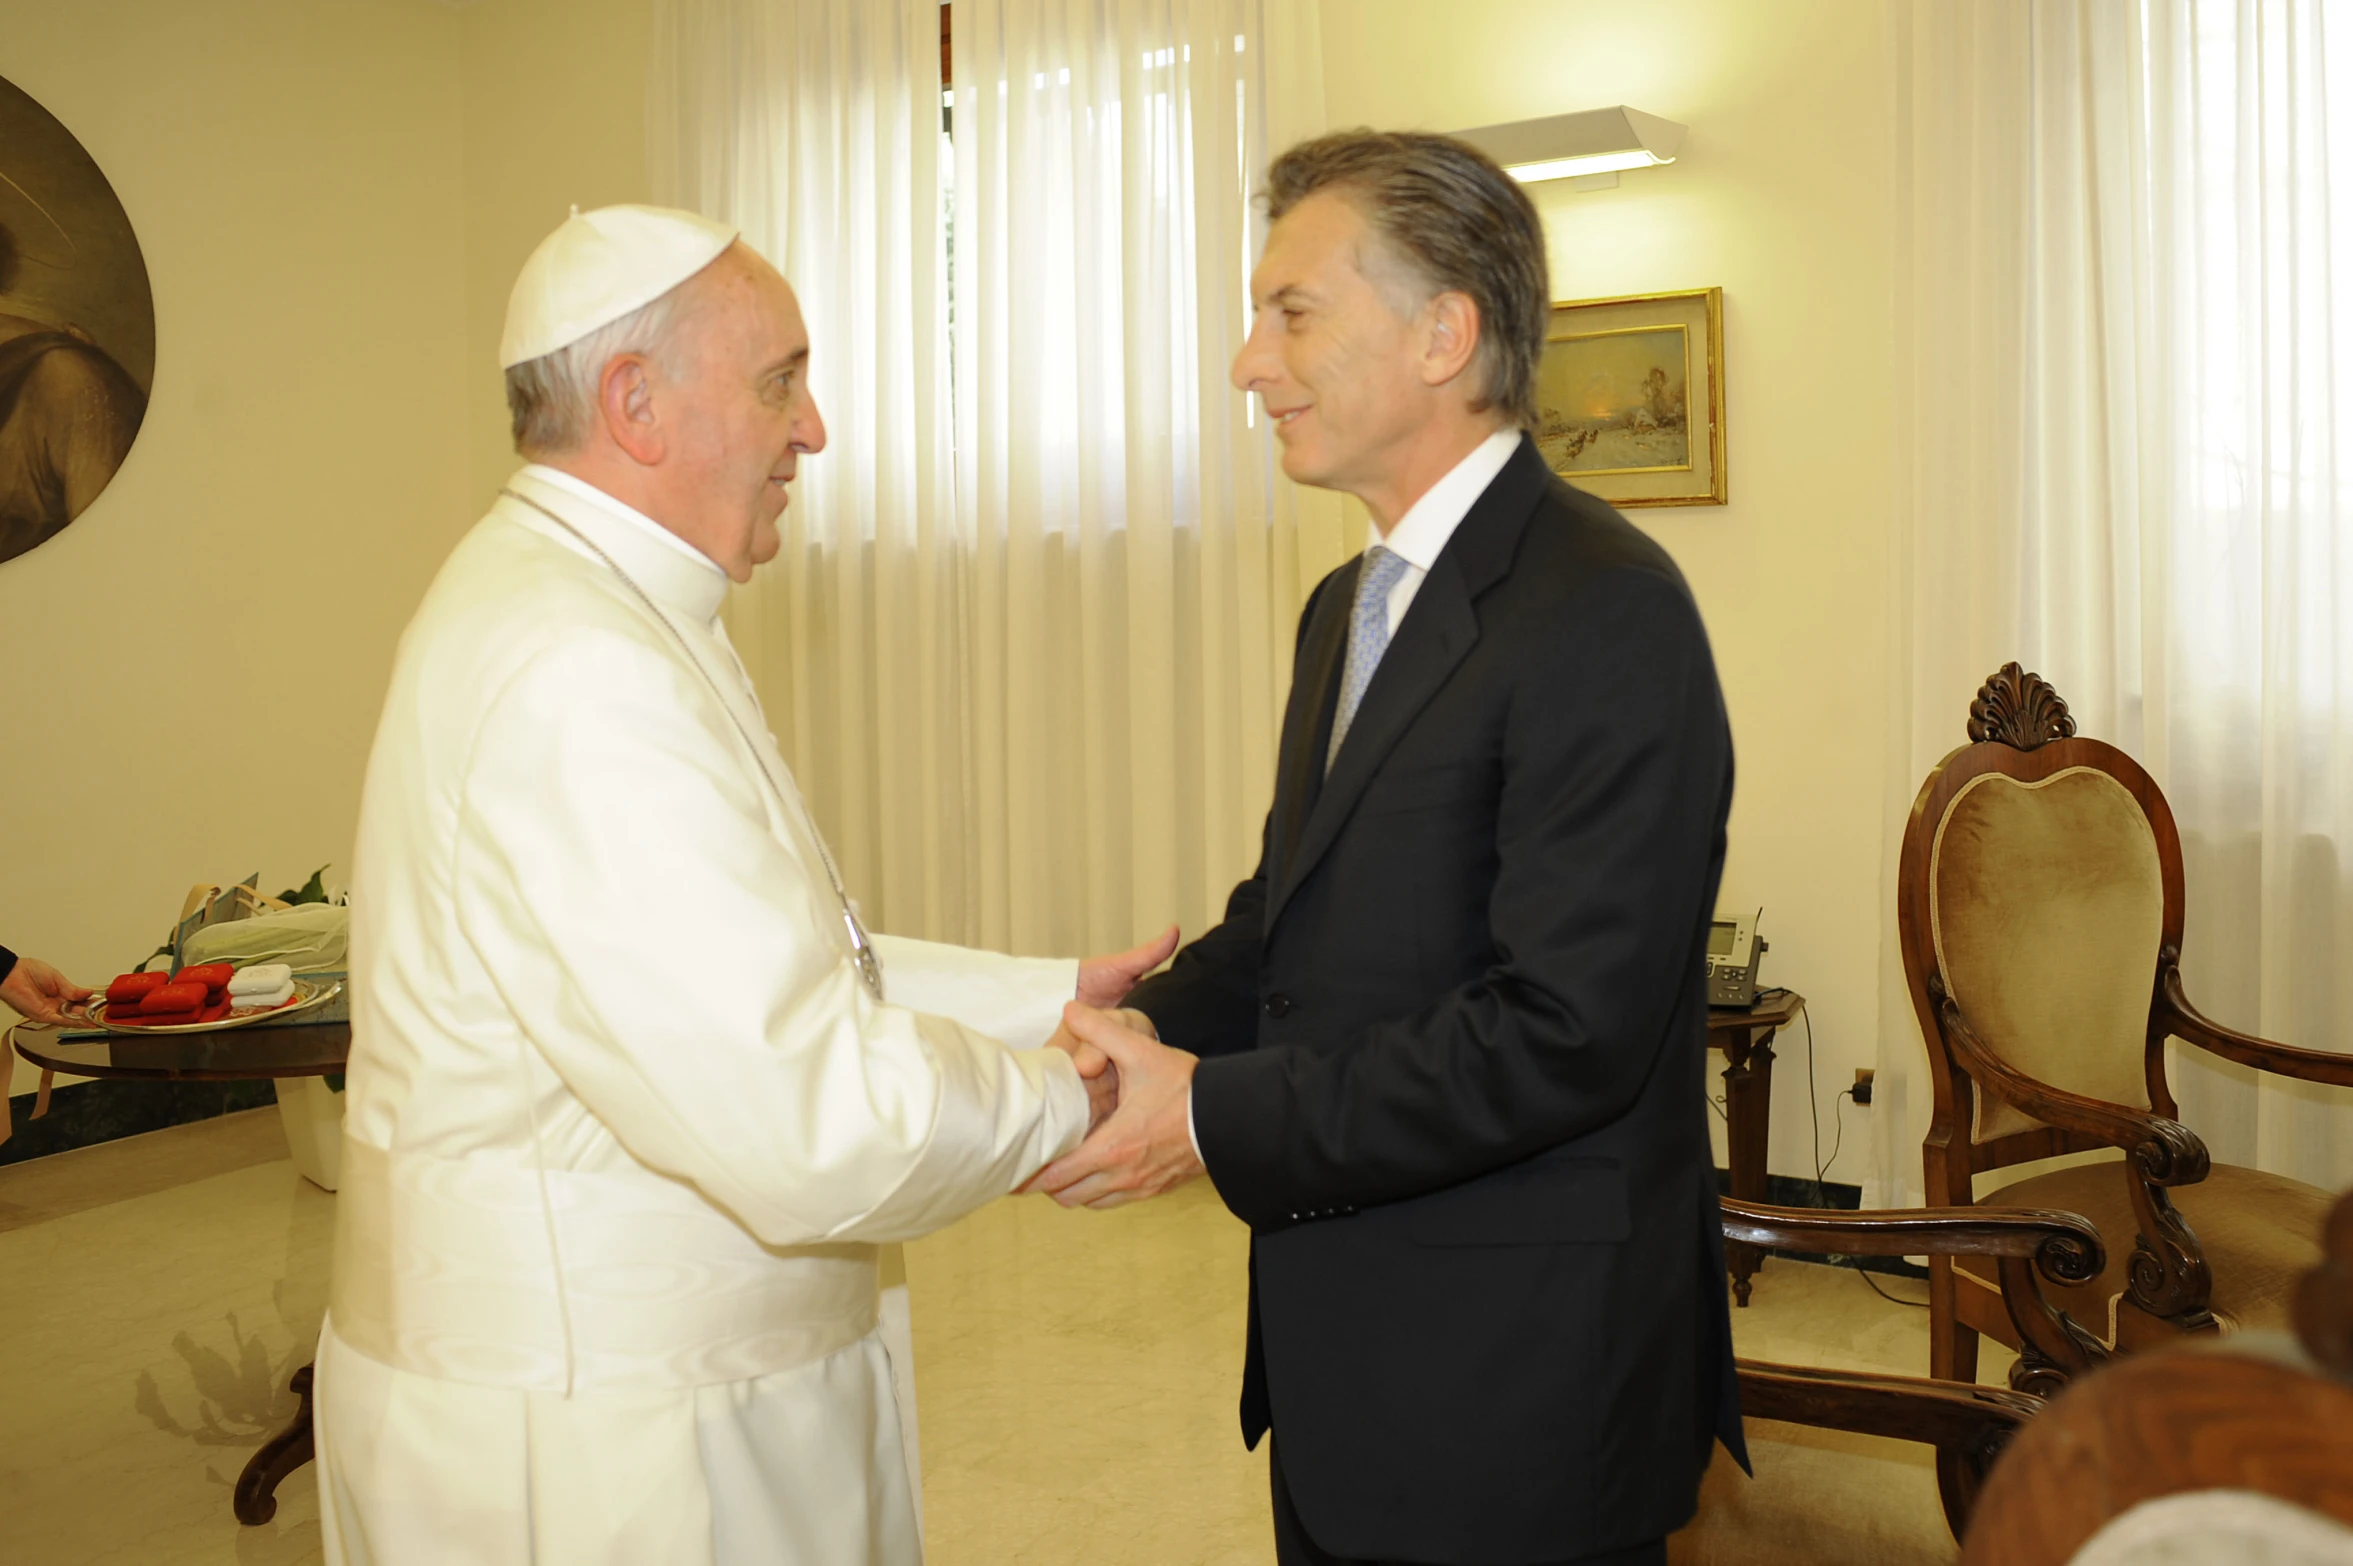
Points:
x=1076 y=1371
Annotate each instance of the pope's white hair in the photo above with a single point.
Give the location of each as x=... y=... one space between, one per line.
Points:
x=553 y=397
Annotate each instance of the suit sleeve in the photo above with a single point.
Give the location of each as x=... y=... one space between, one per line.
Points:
x=1206 y=1001
x=1615 y=773
x=677 y=964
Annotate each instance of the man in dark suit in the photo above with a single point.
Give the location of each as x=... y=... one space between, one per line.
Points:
x=1446 y=1053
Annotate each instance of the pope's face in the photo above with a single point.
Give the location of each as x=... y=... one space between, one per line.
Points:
x=1335 y=361
x=745 y=417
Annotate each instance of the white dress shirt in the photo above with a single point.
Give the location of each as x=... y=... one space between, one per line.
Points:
x=1417 y=539
x=1430 y=521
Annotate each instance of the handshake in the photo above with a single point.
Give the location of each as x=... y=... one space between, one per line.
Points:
x=1139 y=1092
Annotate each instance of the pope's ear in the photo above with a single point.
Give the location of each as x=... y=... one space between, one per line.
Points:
x=625 y=403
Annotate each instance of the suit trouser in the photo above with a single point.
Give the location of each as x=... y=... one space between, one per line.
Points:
x=1293 y=1547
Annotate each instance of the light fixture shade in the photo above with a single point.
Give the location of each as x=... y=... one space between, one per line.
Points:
x=1562 y=146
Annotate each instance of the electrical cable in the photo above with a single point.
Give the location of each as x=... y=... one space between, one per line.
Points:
x=1814 y=1108
x=1892 y=1299
x=1822 y=1166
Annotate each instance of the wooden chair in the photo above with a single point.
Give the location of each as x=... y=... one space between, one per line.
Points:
x=2163 y=1453
x=2039 y=908
x=1834 y=1480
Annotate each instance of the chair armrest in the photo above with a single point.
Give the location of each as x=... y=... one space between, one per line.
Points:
x=2068 y=1243
x=1968 y=1425
x=2061 y=1247
x=2170 y=1278
x=2186 y=1022
x=2166 y=1151
x=1905 y=1408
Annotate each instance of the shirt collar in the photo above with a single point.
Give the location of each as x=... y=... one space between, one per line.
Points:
x=669 y=568
x=1430 y=521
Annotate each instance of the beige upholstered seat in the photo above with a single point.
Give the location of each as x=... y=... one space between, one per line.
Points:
x=2258 y=1232
x=2039 y=905
x=1818 y=1496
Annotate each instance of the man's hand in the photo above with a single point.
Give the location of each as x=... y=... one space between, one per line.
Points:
x=1094 y=1067
x=39 y=991
x=1103 y=982
x=1090 y=1059
x=1146 y=1147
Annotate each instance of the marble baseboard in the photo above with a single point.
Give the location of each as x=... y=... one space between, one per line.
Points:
x=84 y=1114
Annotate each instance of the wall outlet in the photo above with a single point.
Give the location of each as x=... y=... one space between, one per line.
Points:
x=1862 y=1087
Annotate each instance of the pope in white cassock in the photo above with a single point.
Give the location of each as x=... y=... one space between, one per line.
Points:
x=632 y=1102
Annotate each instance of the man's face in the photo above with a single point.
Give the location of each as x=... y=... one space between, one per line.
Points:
x=739 y=412
x=1331 y=354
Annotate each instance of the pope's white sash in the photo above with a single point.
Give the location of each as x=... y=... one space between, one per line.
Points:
x=498 y=1275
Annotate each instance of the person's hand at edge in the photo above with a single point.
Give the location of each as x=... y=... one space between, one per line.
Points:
x=1145 y=1148
x=40 y=992
x=1103 y=982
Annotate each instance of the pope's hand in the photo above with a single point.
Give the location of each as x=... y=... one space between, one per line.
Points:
x=1094 y=1069
x=1146 y=1147
x=39 y=991
x=1103 y=982
x=1090 y=1059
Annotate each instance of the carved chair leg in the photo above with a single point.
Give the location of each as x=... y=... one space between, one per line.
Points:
x=1952 y=1345
x=255 y=1498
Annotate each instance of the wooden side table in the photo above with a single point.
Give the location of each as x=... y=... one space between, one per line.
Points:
x=1746 y=1038
x=317 y=1049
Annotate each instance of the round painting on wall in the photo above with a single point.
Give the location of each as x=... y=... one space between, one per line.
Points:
x=77 y=327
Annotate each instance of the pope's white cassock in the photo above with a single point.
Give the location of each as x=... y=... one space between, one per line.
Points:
x=624 y=1126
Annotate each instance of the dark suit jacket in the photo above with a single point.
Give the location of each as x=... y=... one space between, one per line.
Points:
x=1453 y=1034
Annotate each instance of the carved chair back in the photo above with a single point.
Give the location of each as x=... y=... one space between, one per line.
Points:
x=2039 y=896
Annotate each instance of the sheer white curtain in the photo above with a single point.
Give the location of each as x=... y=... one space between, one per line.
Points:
x=1139 y=559
x=814 y=126
x=2123 y=429
x=1028 y=640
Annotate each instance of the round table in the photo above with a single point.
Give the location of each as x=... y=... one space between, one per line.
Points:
x=312 y=1049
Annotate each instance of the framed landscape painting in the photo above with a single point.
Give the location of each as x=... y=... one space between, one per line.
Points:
x=1630 y=398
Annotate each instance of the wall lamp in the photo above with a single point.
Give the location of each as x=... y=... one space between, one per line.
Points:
x=1588 y=148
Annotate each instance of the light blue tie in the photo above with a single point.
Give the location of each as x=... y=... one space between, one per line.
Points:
x=1368 y=636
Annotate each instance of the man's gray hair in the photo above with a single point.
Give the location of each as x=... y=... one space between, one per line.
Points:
x=1458 y=224
x=553 y=398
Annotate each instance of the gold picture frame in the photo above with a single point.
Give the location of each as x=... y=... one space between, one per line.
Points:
x=1630 y=397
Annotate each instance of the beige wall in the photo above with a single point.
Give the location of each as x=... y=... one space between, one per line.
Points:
x=332 y=196
x=555 y=117
x=1783 y=197
x=194 y=666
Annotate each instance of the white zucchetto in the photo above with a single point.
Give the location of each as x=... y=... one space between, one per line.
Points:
x=598 y=267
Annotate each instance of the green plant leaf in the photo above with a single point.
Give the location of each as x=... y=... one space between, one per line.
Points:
x=313 y=890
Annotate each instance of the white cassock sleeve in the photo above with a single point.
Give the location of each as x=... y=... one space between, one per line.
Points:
x=682 y=967
x=1016 y=999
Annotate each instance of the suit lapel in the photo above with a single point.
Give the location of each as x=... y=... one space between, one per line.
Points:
x=1307 y=721
x=1437 y=633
